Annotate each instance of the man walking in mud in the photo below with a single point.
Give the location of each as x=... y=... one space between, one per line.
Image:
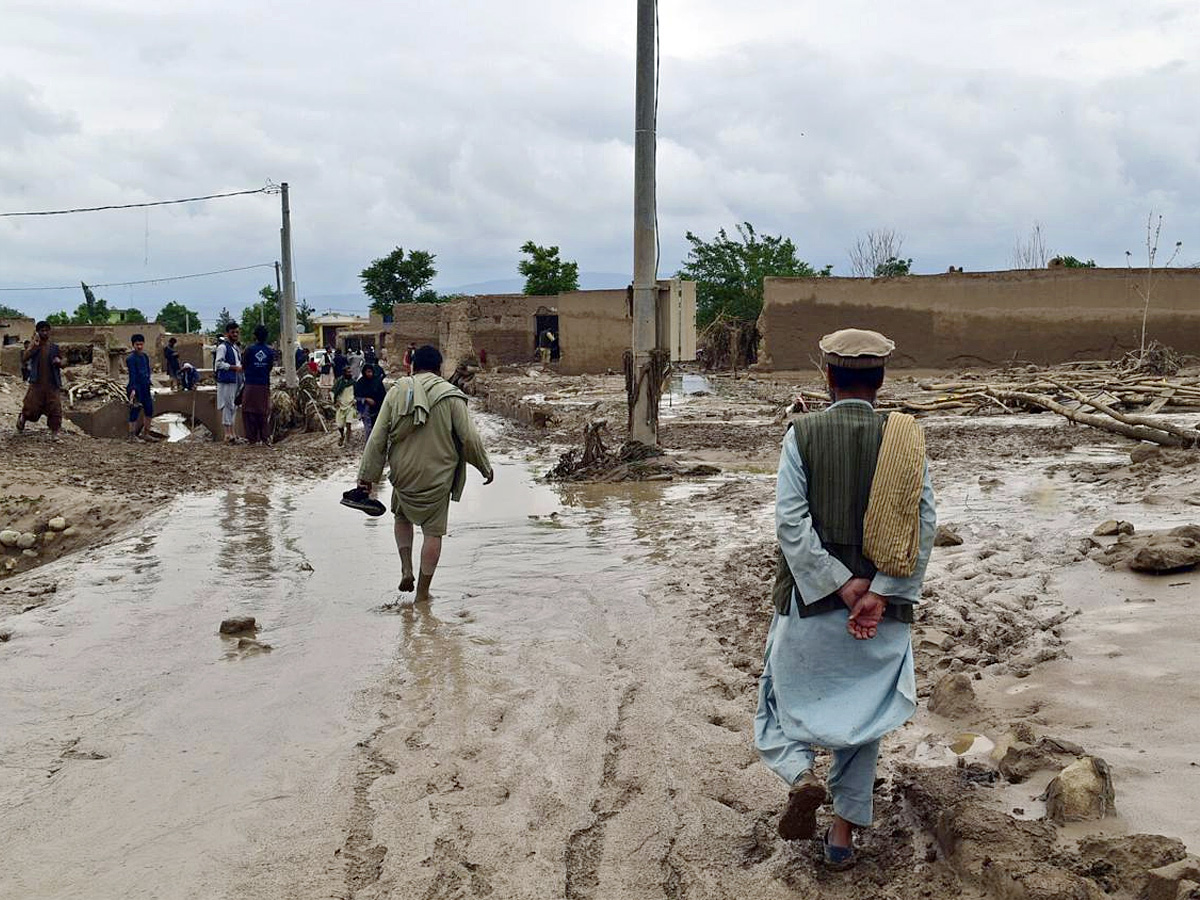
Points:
x=41 y=362
x=425 y=437
x=855 y=520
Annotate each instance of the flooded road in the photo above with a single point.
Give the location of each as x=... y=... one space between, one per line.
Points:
x=356 y=748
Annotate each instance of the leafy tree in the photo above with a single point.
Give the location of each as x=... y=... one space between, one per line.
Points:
x=94 y=313
x=892 y=267
x=397 y=278
x=59 y=318
x=304 y=315
x=545 y=273
x=729 y=273
x=223 y=318
x=131 y=316
x=8 y=312
x=1070 y=262
x=178 y=319
x=266 y=312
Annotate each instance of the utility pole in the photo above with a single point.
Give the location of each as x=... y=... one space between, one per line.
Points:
x=643 y=409
x=287 y=318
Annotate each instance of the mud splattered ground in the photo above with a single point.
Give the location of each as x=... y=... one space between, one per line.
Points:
x=572 y=716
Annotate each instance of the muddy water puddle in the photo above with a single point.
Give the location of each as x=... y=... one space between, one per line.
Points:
x=144 y=755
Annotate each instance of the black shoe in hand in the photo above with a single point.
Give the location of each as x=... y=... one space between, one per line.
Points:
x=357 y=498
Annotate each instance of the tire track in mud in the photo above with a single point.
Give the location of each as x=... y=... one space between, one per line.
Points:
x=362 y=856
x=585 y=846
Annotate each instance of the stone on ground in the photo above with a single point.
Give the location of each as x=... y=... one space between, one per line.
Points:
x=238 y=624
x=953 y=696
x=1081 y=792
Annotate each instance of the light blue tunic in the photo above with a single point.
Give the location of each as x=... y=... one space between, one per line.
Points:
x=819 y=685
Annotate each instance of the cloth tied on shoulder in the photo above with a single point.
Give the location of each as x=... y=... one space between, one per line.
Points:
x=421 y=395
x=892 y=524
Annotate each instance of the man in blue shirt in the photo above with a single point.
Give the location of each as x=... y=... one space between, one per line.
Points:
x=256 y=396
x=141 y=401
x=227 y=363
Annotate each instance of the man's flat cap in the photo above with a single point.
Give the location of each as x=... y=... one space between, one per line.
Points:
x=856 y=348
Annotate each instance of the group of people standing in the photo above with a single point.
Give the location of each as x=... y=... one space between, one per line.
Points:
x=357 y=389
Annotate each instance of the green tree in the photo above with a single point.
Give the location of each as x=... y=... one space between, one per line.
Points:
x=893 y=267
x=729 y=273
x=224 y=317
x=1070 y=262
x=94 y=313
x=8 y=312
x=59 y=318
x=178 y=319
x=131 y=316
x=266 y=312
x=304 y=315
x=546 y=274
x=399 y=278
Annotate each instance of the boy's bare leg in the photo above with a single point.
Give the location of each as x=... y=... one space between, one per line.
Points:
x=404 y=543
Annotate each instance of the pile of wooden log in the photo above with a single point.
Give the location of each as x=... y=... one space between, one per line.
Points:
x=1119 y=397
x=96 y=389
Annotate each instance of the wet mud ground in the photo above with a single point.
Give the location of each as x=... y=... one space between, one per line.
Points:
x=572 y=715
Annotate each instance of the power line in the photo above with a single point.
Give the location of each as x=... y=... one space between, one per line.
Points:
x=268 y=189
x=73 y=287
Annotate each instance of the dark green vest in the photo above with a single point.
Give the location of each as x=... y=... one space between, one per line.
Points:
x=839 y=448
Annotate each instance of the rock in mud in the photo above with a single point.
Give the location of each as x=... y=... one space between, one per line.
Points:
x=935 y=639
x=946 y=536
x=27 y=540
x=9 y=538
x=238 y=625
x=953 y=696
x=1081 y=792
x=1166 y=556
x=1176 y=881
x=1021 y=760
x=32 y=554
x=58 y=523
x=5 y=637
x=1143 y=452
x=1122 y=863
x=1113 y=527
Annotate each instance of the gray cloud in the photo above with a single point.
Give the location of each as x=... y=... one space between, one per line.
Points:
x=468 y=128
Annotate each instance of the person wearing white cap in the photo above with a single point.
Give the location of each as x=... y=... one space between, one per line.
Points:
x=855 y=519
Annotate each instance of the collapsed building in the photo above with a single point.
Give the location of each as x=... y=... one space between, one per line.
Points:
x=591 y=329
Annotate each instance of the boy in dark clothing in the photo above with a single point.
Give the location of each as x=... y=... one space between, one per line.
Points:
x=256 y=396
x=141 y=401
x=42 y=363
x=171 y=357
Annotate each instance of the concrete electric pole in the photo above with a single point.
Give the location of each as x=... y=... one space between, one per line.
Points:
x=287 y=319
x=643 y=400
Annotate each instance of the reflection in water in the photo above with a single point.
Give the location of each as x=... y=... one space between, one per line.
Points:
x=247 y=543
x=433 y=655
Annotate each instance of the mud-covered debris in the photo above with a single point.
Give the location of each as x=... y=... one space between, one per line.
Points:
x=238 y=625
x=1081 y=792
x=947 y=536
x=5 y=637
x=953 y=696
x=1121 y=863
x=27 y=540
x=935 y=639
x=1157 y=553
x=9 y=537
x=1021 y=760
x=1143 y=452
x=1173 y=881
x=1113 y=527
x=58 y=523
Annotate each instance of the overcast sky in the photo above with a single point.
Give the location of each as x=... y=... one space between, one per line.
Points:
x=467 y=128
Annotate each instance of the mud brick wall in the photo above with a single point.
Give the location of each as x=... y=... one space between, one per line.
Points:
x=413 y=323
x=501 y=324
x=595 y=330
x=983 y=318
